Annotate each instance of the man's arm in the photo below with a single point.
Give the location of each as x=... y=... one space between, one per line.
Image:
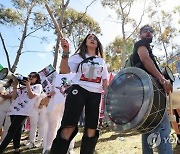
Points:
x=148 y=63
x=151 y=68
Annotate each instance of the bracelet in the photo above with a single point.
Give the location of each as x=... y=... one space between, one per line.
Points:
x=65 y=53
x=65 y=56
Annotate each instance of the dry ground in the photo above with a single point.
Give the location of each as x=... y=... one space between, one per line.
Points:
x=108 y=143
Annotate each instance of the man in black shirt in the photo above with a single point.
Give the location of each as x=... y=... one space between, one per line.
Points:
x=144 y=59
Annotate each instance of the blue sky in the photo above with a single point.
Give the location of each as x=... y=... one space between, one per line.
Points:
x=32 y=61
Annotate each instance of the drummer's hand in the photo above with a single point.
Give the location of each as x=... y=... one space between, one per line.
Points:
x=64 y=45
x=167 y=86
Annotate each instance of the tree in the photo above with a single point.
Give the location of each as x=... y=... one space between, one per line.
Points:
x=162 y=23
x=28 y=15
x=78 y=25
x=166 y=31
x=123 y=9
x=59 y=6
x=9 y=16
x=114 y=51
x=21 y=17
x=72 y=23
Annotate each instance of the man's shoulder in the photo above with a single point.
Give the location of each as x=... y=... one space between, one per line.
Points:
x=141 y=43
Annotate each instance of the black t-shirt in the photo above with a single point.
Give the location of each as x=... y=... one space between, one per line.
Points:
x=136 y=59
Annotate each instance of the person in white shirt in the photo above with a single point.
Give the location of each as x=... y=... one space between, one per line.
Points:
x=4 y=105
x=24 y=99
x=87 y=85
x=55 y=109
x=37 y=124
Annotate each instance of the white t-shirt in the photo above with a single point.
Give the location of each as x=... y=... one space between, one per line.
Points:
x=61 y=80
x=5 y=103
x=90 y=74
x=22 y=105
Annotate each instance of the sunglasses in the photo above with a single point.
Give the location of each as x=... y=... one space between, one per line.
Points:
x=147 y=29
x=31 y=76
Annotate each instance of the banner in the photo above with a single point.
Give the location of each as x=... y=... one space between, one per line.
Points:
x=47 y=75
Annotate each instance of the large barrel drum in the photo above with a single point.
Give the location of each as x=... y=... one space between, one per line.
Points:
x=135 y=102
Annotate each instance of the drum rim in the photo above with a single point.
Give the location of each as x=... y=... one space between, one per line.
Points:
x=145 y=109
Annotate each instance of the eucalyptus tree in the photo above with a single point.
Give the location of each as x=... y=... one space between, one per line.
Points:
x=72 y=23
x=31 y=16
x=165 y=25
x=114 y=51
x=123 y=10
x=22 y=15
x=77 y=25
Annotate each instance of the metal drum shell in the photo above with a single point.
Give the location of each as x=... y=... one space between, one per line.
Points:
x=135 y=126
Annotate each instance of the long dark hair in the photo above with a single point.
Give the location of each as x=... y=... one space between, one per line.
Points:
x=38 y=81
x=82 y=49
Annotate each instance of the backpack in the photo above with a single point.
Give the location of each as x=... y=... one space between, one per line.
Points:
x=129 y=62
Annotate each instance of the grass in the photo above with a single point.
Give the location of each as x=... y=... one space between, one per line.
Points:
x=109 y=143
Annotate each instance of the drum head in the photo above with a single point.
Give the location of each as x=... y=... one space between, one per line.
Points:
x=128 y=99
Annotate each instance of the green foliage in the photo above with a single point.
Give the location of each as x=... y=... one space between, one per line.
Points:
x=20 y=4
x=9 y=16
x=165 y=30
x=77 y=25
x=167 y=34
x=121 y=7
x=116 y=47
x=40 y=19
x=114 y=52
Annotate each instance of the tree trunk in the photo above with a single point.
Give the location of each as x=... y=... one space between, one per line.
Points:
x=6 y=52
x=19 y=52
x=123 y=58
x=56 y=54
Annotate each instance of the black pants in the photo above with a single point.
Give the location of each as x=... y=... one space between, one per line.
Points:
x=76 y=100
x=14 y=132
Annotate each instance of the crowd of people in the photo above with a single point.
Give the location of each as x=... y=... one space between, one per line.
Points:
x=54 y=115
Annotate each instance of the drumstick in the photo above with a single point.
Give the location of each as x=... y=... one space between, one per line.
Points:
x=54 y=21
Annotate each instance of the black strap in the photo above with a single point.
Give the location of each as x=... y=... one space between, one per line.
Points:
x=84 y=61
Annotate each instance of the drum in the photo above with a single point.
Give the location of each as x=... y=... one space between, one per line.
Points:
x=135 y=102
